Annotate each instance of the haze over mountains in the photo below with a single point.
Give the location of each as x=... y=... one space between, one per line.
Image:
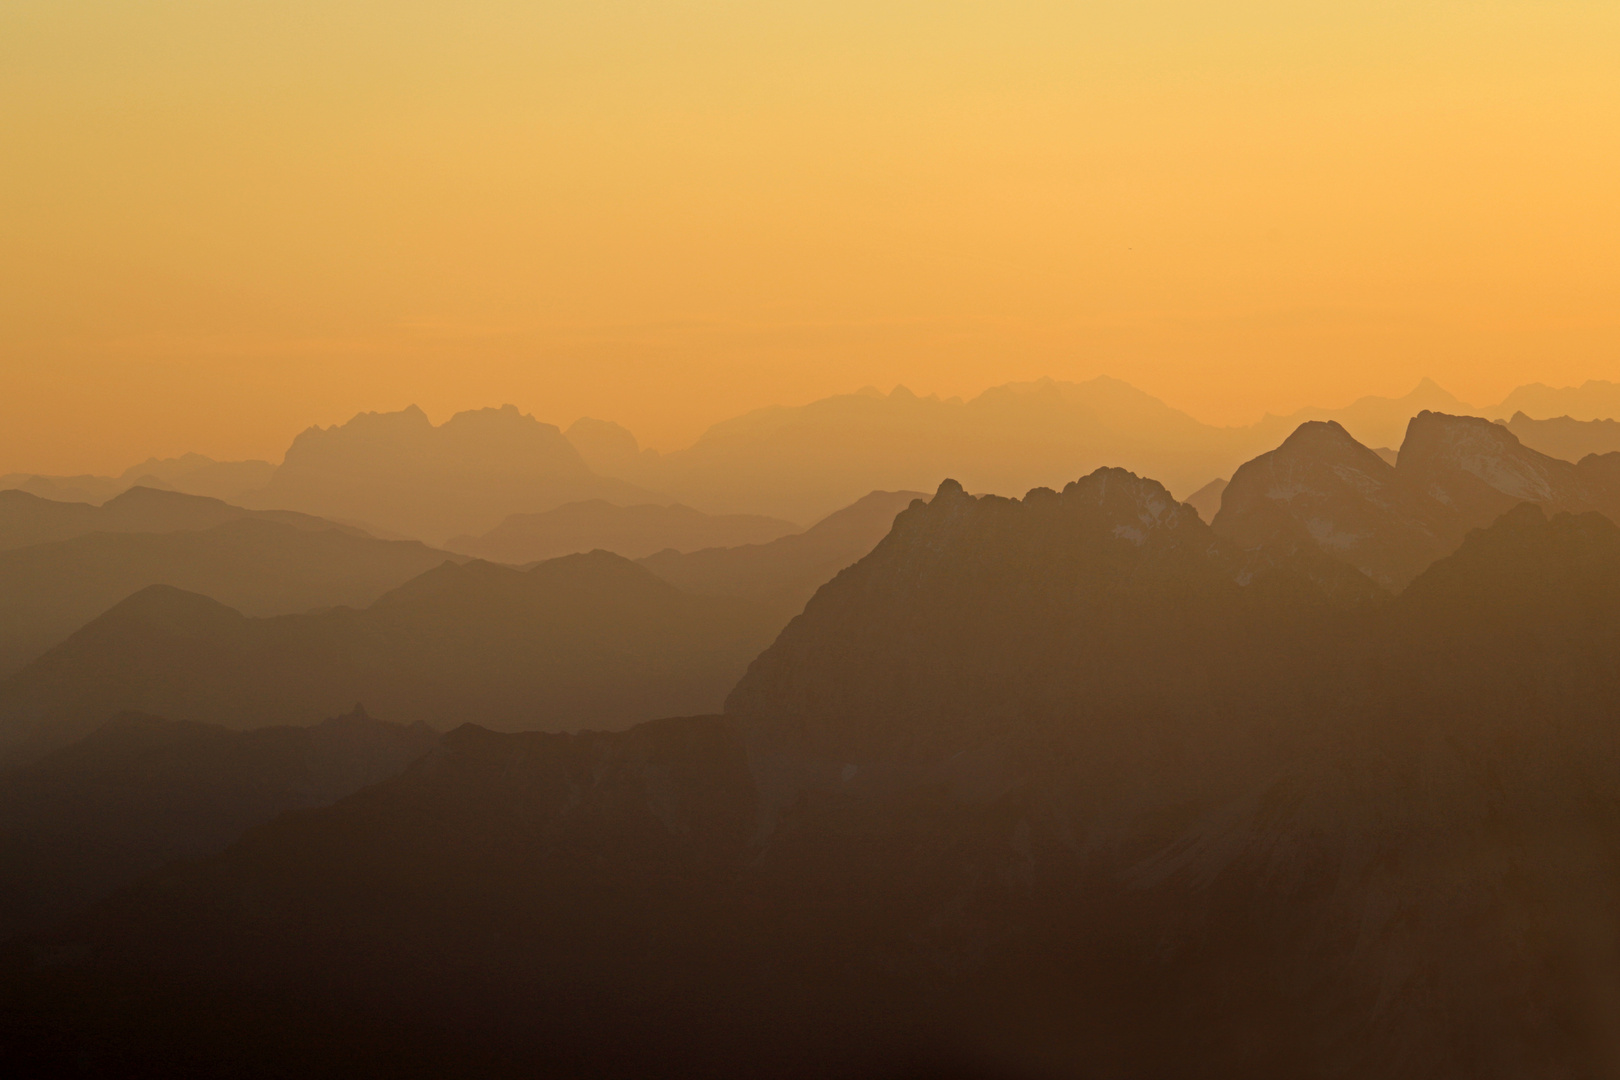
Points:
x=1313 y=775
x=400 y=472
x=1069 y=785
x=585 y=640
x=62 y=564
x=397 y=474
x=631 y=531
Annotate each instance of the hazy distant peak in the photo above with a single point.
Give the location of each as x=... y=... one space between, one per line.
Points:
x=948 y=489
x=604 y=445
x=1329 y=439
x=142 y=496
x=166 y=608
x=599 y=568
x=1594 y=399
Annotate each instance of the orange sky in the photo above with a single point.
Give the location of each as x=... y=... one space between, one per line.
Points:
x=223 y=221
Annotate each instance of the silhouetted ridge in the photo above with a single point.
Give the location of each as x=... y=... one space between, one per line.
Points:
x=975 y=611
x=1322 y=489
x=399 y=471
x=586 y=639
x=256 y=564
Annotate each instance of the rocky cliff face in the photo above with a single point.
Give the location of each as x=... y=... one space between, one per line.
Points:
x=1455 y=473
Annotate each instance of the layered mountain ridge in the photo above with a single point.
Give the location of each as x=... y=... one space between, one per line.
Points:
x=1126 y=797
x=1455 y=473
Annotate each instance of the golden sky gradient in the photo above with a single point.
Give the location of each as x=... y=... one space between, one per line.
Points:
x=223 y=221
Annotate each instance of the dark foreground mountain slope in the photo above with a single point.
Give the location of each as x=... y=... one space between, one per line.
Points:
x=586 y=639
x=262 y=567
x=1321 y=488
x=140 y=792
x=631 y=531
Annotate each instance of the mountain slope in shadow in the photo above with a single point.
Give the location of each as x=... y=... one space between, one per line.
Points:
x=140 y=792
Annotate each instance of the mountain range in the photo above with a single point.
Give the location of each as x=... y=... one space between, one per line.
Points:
x=398 y=475
x=584 y=640
x=801 y=462
x=1070 y=784
x=1322 y=489
x=264 y=563
x=401 y=473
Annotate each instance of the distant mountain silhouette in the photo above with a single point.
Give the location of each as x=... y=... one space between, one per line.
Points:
x=606 y=447
x=140 y=792
x=1594 y=399
x=29 y=519
x=1372 y=420
x=631 y=531
x=1562 y=437
x=1207 y=499
x=190 y=474
x=1455 y=473
x=801 y=462
x=258 y=564
x=195 y=474
x=582 y=640
x=1065 y=785
x=401 y=473
x=784 y=573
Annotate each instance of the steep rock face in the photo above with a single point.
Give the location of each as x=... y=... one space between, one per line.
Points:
x=400 y=472
x=1322 y=488
x=1454 y=473
x=1092 y=605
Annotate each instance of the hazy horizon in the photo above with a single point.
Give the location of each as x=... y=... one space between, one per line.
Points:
x=225 y=223
x=111 y=462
